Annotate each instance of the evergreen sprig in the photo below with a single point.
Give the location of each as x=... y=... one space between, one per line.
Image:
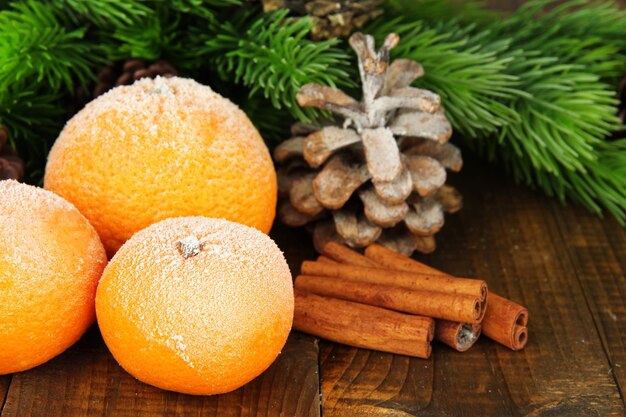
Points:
x=32 y=118
x=103 y=13
x=271 y=55
x=559 y=64
x=471 y=76
x=533 y=91
x=155 y=36
x=36 y=45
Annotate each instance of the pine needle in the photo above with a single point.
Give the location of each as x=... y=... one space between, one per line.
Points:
x=560 y=60
x=472 y=77
x=35 y=45
x=272 y=56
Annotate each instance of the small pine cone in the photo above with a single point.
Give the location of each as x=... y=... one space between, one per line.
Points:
x=332 y=18
x=378 y=176
x=129 y=71
x=11 y=166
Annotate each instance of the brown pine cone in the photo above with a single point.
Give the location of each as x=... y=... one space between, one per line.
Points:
x=11 y=166
x=379 y=174
x=129 y=71
x=333 y=18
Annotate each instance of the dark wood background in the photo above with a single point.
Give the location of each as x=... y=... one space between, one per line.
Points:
x=566 y=265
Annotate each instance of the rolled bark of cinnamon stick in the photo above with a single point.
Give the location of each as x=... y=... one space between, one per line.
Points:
x=363 y=326
x=345 y=255
x=390 y=259
x=455 y=307
x=412 y=280
x=505 y=322
x=459 y=336
x=326 y=259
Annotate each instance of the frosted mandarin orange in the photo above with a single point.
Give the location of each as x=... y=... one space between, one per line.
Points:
x=196 y=305
x=50 y=261
x=162 y=148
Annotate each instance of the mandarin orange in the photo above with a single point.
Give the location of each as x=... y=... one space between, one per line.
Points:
x=196 y=305
x=162 y=148
x=50 y=261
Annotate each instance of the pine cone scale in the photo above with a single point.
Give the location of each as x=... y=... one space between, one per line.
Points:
x=332 y=18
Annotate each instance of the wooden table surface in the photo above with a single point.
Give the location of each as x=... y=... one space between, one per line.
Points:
x=566 y=265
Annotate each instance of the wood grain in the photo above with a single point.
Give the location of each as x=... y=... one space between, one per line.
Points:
x=359 y=382
x=86 y=381
x=510 y=237
x=5 y=381
x=596 y=249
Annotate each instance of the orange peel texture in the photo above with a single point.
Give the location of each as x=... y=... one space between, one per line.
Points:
x=50 y=261
x=196 y=305
x=162 y=148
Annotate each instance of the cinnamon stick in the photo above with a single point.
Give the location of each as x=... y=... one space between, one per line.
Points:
x=345 y=255
x=326 y=259
x=393 y=260
x=440 y=305
x=505 y=322
x=459 y=336
x=390 y=259
x=412 y=280
x=363 y=326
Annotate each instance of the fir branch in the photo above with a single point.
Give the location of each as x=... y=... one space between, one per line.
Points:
x=564 y=109
x=34 y=44
x=103 y=13
x=574 y=18
x=577 y=31
x=469 y=73
x=459 y=11
x=272 y=56
x=33 y=119
x=157 y=35
x=560 y=143
x=202 y=8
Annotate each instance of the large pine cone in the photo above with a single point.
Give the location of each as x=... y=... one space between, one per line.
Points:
x=11 y=166
x=332 y=18
x=380 y=175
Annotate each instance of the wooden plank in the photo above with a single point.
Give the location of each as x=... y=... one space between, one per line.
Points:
x=509 y=236
x=5 y=381
x=597 y=249
x=360 y=382
x=86 y=381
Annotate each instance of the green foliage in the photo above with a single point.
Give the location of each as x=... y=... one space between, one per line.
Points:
x=472 y=77
x=157 y=35
x=271 y=55
x=459 y=11
x=533 y=91
x=35 y=45
x=202 y=8
x=559 y=64
x=103 y=13
x=32 y=118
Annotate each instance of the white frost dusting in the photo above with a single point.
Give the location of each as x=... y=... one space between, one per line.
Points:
x=244 y=289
